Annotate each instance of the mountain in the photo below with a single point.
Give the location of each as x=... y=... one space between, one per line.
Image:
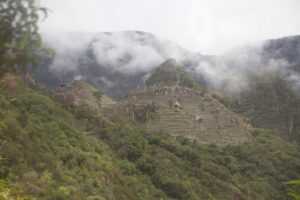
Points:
x=50 y=149
x=175 y=104
x=117 y=63
x=114 y=62
x=271 y=99
x=170 y=73
x=287 y=48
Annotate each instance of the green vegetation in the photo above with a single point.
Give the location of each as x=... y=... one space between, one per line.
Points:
x=185 y=170
x=294 y=189
x=8 y=193
x=49 y=153
x=171 y=73
x=271 y=102
x=20 y=41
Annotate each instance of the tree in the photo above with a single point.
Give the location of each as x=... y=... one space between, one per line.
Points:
x=294 y=189
x=20 y=41
x=7 y=193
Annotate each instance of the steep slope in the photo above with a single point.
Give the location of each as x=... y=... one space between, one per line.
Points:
x=83 y=95
x=271 y=98
x=173 y=103
x=170 y=73
x=287 y=48
x=271 y=102
x=48 y=152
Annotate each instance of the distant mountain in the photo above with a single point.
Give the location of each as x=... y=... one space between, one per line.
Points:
x=114 y=62
x=173 y=103
x=287 y=48
x=120 y=62
x=272 y=97
x=117 y=62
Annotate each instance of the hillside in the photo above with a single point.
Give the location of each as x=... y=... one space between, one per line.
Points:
x=127 y=115
x=173 y=103
x=271 y=99
x=287 y=48
x=49 y=152
x=170 y=73
x=271 y=102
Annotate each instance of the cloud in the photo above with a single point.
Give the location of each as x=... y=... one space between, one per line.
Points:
x=211 y=27
x=132 y=53
x=237 y=70
x=68 y=48
x=128 y=52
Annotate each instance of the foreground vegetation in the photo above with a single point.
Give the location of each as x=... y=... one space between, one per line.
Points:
x=49 y=152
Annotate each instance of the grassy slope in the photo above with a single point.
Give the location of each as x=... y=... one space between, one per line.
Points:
x=50 y=154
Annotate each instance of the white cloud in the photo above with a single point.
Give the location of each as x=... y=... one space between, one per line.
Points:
x=120 y=52
x=209 y=26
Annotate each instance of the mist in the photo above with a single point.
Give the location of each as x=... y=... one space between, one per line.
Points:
x=210 y=27
x=134 y=53
x=93 y=36
x=237 y=70
x=126 y=52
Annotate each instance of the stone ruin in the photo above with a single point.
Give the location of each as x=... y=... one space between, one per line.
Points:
x=142 y=112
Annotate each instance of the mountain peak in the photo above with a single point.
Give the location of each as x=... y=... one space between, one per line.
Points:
x=171 y=73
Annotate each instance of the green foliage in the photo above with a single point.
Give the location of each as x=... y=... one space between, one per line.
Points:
x=183 y=169
x=294 y=189
x=20 y=41
x=50 y=153
x=8 y=193
x=171 y=73
x=271 y=102
x=98 y=94
x=46 y=152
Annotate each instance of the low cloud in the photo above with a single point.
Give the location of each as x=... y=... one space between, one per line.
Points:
x=133 y=53
x=237 y=70
x=127 y=52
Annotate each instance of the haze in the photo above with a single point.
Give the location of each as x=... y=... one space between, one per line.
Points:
x=210 y=27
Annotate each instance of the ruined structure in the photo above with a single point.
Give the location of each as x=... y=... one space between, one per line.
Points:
x=182 y=111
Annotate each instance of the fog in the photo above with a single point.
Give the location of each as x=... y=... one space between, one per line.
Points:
x=210 y=27
x=83 y=32
x=133 y=53
x=124 y=52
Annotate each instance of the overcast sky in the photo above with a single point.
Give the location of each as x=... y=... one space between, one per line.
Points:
x=208 y=26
